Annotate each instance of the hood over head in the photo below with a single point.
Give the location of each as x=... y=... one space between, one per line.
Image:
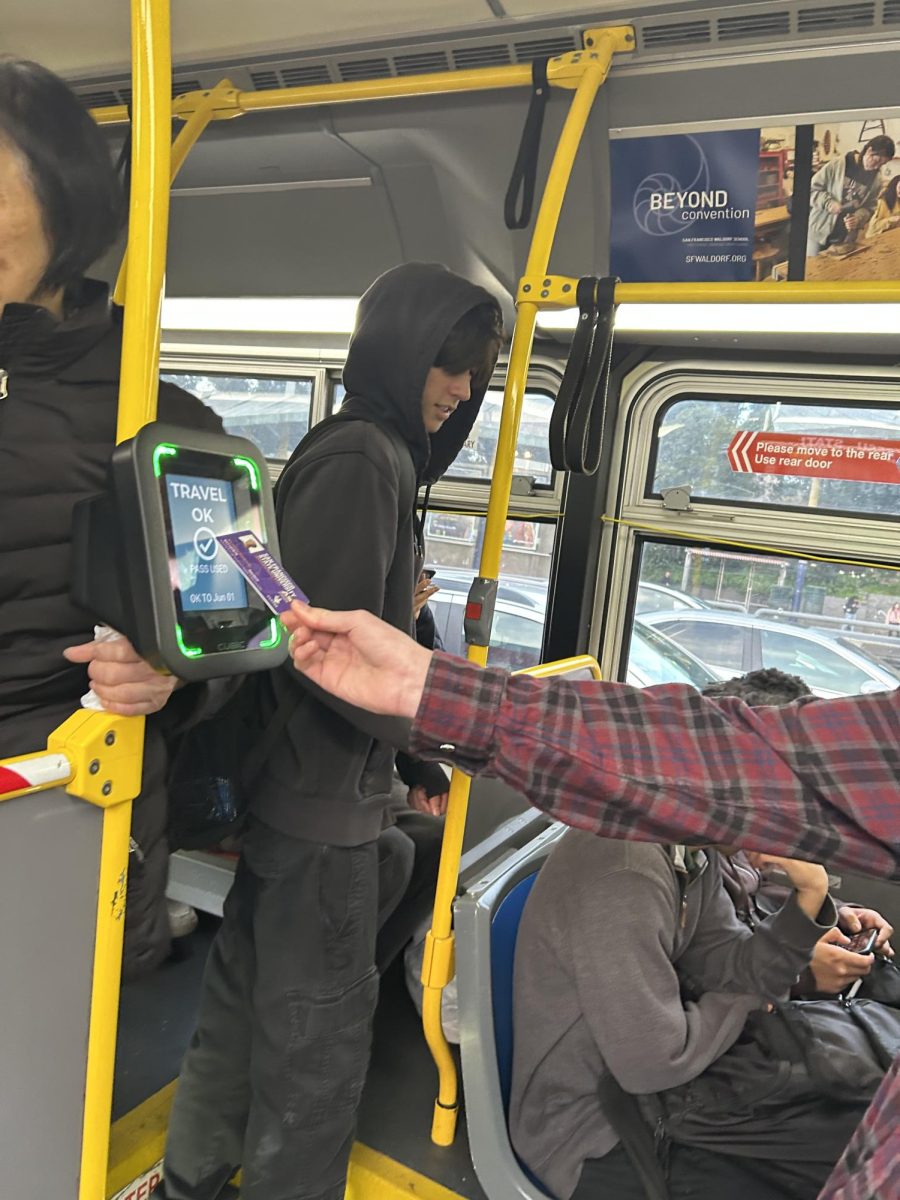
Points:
x=401 y=324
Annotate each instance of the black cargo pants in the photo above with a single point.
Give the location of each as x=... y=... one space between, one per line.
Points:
x=273 y=1076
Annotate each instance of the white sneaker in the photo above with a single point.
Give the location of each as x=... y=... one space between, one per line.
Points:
x=182 y=918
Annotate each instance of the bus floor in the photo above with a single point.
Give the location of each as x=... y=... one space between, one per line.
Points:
x=155 y=1024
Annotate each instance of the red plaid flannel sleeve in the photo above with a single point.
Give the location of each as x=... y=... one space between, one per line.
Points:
x=815 y=780
x=869 y=1168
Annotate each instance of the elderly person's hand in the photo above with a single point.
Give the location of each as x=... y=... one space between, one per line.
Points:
x=122 y=681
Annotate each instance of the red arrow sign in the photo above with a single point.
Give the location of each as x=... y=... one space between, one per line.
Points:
x=868 y=460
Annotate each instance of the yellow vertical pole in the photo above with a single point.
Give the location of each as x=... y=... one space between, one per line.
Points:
x=148 y=216
x=147 y=228
x=437 y=967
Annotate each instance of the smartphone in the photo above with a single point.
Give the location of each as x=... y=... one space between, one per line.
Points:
x=864 y=942
x=429 y=572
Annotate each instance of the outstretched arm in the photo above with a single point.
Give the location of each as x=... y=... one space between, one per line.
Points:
x=816 y=780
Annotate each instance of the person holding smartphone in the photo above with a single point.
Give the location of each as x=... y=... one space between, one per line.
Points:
x=843 y=956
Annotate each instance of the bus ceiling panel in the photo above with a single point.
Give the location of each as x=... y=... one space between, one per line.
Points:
x=320 y=242
x=244 y=155
x=760 y=86
x=414 y=181
x=79 y=38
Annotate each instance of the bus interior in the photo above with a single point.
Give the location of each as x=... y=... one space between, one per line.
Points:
x=670 y=562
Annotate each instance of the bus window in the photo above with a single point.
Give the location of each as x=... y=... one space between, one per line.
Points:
x=272 y=411
x=693 y=436
x=823 y=621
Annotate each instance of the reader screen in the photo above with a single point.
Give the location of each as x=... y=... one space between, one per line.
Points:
x=199 y=509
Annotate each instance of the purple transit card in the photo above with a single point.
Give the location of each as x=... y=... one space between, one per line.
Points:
x=261 y=570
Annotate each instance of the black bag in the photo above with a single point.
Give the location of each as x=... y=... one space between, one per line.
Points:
x=882 y=983
x=794 y=1085
x=214 y=764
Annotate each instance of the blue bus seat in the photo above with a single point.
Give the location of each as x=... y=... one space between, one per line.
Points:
x=504 y=932
x=486 y=919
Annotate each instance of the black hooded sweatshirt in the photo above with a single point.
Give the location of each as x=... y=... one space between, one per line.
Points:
x=346 y=515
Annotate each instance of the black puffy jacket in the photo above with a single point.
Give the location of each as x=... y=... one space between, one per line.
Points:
x=58 y=401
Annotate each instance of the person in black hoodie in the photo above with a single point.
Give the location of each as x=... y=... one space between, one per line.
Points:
x=275 y=1069
x=60 y=346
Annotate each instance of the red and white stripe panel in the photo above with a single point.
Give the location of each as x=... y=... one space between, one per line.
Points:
x=39 y=772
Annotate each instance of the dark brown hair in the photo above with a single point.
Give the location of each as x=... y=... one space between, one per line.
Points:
x=473 y=345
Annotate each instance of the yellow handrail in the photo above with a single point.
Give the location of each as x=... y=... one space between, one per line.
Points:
x=148 y=215
x=564 y=666
x=437 y=967
x=138 y=387
x=558 y=292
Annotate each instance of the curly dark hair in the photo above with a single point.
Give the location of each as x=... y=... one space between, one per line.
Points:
x=760 y=688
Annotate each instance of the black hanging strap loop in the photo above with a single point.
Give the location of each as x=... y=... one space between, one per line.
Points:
x=578 y=422
x=573 y=376
x=123 y=162
x=524 y=173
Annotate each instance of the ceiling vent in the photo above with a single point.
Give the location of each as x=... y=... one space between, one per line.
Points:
x=836 y=16
x=891 y=12
x=265 y=81
x=305 y=75
x=423 y=63
x=364 y=68
x=181 y=86
x=106 y=99
x=467 y=57
x=548 y=47
x=685 y=33
x=754 y=25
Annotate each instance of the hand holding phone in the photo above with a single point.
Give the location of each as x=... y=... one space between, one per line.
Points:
x=863 y=942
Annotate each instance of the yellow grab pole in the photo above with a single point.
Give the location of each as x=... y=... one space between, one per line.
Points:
x=181 y=147
x=437 y=966
x=138 y=386
x=148 y=216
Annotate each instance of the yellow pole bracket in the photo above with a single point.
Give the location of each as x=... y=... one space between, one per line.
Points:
x=547 y=291
x=221 y=103
x=104 y=752
x=565 y=70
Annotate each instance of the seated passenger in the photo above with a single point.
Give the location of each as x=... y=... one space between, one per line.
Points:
x=612 y=935
x=755 y=896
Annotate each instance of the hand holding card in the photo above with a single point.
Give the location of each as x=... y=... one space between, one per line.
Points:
x=263 y=572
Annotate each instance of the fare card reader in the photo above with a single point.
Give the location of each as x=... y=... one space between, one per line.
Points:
x=147 y=561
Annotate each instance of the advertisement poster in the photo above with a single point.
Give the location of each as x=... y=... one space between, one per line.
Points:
x=854 y=201
x=684 y=206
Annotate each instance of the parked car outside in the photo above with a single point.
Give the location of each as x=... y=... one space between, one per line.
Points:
x=518 y=634
x=654 y=597
x=732 y=643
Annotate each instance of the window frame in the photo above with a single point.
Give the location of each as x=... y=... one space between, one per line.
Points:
x=655 y=384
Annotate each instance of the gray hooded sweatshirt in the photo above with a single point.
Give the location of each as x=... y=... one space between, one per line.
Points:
x=610 y=933
x=346 y=523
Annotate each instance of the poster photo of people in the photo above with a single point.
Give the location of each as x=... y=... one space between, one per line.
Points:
x=854 y=201
x=816 y=202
